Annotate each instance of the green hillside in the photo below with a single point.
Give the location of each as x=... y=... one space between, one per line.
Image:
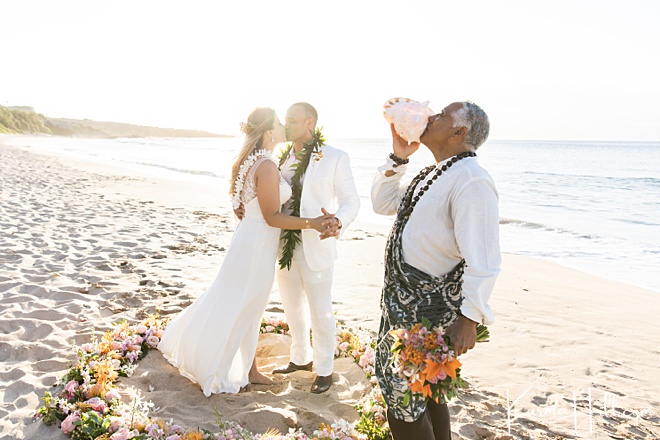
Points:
x=20 y=121
x=25 y=120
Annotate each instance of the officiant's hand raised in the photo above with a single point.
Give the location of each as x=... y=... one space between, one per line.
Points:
x=401 y=148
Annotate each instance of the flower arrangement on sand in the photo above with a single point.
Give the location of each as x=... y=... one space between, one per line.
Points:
x=274 y=325
x=89 y=407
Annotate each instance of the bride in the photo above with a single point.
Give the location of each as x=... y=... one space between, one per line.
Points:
x=213 y=341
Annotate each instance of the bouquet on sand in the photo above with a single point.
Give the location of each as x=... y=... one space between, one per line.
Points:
x=423 y=356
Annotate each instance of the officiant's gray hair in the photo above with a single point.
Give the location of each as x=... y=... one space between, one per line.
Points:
x=310 y=111
x=472 y=117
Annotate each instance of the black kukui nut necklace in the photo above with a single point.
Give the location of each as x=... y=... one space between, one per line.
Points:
x=438 y=172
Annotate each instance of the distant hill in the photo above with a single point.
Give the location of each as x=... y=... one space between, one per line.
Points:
x=25 y=120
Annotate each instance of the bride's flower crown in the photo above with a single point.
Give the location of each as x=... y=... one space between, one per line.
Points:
x=246 y=127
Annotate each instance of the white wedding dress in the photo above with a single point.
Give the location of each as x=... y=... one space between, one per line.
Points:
x=213 y=341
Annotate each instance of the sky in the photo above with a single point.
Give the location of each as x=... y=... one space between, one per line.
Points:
x=555 y=70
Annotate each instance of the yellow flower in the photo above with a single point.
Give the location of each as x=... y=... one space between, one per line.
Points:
x=413 y=355
x=416 y=328
x=96 y=390
x=104 y=372
x=192 y=435
x=430 y=342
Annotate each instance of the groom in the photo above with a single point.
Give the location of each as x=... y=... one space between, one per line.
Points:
x=322 y=176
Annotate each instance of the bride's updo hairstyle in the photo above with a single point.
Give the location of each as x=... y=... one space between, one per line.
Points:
x=260 y=120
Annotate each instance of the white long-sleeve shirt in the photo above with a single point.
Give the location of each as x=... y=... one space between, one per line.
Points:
x=457 y=218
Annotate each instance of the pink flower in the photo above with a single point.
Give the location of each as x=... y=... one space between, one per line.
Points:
x=158 y=333
x=368 y=358
x=152 y=341
x=124 y=434
x=97 y=404
x=67 y=424
x=116 y=423
x=88 y=347
x=141 y=328
x=343 y=346
x=115 y=345
x=176 y=428
x=71 y=387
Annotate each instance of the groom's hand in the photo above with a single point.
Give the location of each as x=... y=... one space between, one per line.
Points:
x=240 y=212
x=331 y=226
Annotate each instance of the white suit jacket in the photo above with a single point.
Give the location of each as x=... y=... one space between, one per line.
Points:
x=328 y=183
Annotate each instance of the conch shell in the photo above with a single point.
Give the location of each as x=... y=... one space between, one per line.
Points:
x=409 y=117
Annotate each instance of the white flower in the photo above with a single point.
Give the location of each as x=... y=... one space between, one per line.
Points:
x=242 y=172
x=112 y=394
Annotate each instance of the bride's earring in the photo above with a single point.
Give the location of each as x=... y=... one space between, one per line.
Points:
x=272 y=139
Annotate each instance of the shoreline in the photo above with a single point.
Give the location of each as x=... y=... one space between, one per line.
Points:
x=369 y=220
x=86 y=244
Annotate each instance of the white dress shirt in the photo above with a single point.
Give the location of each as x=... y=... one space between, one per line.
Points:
x=457 y=218
x=287 y=172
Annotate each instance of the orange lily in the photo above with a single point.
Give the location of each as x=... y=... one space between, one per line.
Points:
x=417 y=386
x=432 y=368
x=427 y=391
x=451 y=366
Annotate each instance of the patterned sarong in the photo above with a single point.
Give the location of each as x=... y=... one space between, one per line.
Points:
x=409 y=295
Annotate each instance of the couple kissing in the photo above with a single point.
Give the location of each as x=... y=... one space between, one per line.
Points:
x=291 y=213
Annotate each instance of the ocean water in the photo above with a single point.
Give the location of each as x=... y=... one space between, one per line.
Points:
x=593 y=206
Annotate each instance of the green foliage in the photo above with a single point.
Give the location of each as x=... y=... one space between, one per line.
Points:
x=370 y=426
x=18 y=121
x=291 y=237
x=50 y=412
x=90 y=426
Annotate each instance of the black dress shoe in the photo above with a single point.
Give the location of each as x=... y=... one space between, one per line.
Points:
x=286 y=369
x=321 y=384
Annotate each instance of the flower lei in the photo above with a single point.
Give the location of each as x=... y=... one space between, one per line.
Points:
x=242 y=172
x=314 y=147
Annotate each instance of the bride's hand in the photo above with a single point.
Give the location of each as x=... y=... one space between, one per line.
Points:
x=318 y=222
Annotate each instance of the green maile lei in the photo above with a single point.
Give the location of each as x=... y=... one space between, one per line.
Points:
x=292 y=237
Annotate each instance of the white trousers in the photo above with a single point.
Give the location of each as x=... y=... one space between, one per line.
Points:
x=306 y=294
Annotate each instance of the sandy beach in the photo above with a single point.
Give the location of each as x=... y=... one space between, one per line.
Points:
x=85 y=244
